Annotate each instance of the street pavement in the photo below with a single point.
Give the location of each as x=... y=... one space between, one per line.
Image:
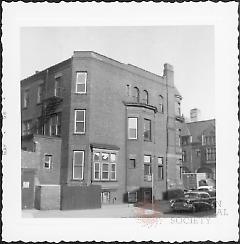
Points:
x=158 y=210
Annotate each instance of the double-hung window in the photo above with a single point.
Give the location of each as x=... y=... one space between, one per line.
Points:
x=47 y=161
x=79 y=127
x=105 y=166
x=58 y=86
x=26 y=99
x=147 y=168
x=147 y=130
x=160 y=169
x=78 y=165
x=132 y=128
x=81 y=83
x=40 y=93
x=160 y=103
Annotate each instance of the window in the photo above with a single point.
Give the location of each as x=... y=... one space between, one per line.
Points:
x=39 y=129
x=184 y=156
x=132 y=163
x=160 y=169
x=198 y=152
x=78 y=165
x=178 y=137
x=81 y=81
x=180 y=172
x=47 y=161
x=104 y=166
x=113 y=166
x=147 y=168
x=177 y=108
x=136 y=94
x=58 y=87
x=147 y=130
x=79 y=121
x=128 y=90
x=210 y=153
x=26 y=128
x=132 y=128
x=209 y=140
x=26 y=99
x=40 y=93
x=55 y=125
x=145 y=97
x=160 y=103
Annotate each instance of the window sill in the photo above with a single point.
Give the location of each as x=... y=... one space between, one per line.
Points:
x=105 y=181
x=80 y=93
x=82 y=133
x=147 y=140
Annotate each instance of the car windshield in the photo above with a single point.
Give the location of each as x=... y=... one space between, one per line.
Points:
x=191 y=195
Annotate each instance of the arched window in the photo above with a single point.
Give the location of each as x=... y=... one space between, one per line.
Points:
x=136 y=94
x=145 y=97
x=160 y=103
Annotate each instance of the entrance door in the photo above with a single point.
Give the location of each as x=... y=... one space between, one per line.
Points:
x=105 y=197
x=147 y=196
x=27 y=189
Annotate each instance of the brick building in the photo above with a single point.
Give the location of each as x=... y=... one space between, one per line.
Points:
x=199 y=148
x=114 y=125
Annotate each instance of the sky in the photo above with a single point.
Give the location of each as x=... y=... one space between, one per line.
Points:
x=190 y=49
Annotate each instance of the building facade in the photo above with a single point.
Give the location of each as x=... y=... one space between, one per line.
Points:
x=199 y=148
x=119 y=126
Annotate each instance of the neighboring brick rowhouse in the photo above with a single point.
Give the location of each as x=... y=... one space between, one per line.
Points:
x=87 y=101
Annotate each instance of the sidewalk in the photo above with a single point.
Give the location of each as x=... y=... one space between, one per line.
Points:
x=107 y=211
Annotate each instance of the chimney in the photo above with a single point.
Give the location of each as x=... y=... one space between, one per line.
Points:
x=168 y=72
x=195 y=115
x=36 y=71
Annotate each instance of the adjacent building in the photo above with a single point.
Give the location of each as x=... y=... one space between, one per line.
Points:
x=96 y=121
x=199 y=148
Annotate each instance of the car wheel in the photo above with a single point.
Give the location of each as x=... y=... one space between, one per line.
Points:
x=194 y=209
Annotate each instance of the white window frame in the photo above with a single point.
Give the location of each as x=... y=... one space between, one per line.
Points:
x=26 y=98
x=49 y=161
x=103 y=171
x=136 y=124
x=75 y=121
x=94 y=170
x=160 y=164
x=109 y=164
x=149 y=164
x=39 y=94
x=58 y=88
x=74 y=165
x=77 y=82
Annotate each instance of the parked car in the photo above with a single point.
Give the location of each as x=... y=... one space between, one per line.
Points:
x=193 y=201
x=209 y=189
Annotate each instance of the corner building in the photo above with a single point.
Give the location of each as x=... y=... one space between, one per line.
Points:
x=119 y=126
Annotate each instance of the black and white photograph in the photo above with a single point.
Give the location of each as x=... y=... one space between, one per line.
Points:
x=130 y=125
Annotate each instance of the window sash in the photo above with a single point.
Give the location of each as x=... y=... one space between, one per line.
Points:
x=96 y=171
x=132 y=128
x=106 y=172
x=26 y=99
x=79 y=122
x=81 y=83
x=147 y=130
x=39 y=94
x=160 y=172
x=147 y=170
x=47 y=161
x=78 y=165
x=113 y=172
